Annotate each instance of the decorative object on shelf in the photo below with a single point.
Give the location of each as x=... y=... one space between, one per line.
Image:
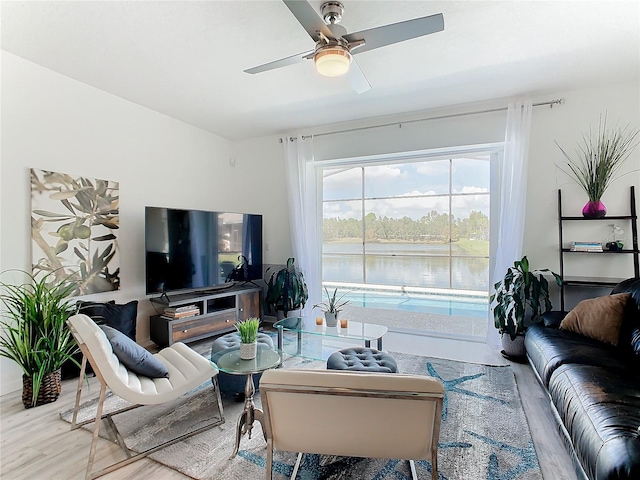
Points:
x=615 y=245
x=521 y=298
x=74 y=229
x=248 y=330
x=286 y=290
x=594 y=209
x=35 y=334
x=598 y=161
x=332 y=306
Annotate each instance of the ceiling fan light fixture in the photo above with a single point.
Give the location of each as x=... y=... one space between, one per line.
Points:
x=332 y=61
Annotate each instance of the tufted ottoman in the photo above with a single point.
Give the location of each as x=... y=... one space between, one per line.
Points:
x=362 y=359
x=235 y=384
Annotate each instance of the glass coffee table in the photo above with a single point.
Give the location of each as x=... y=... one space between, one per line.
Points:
x=229 y=361
x=305 y=332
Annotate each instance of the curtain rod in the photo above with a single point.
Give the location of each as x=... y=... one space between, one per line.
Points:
x=551 y=103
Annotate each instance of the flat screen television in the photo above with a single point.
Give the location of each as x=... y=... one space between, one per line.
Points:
x=198 y=250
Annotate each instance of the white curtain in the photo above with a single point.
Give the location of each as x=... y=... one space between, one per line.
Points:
x=513 y=197
x=304 y=212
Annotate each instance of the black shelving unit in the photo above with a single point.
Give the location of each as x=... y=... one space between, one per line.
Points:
x=568 y=281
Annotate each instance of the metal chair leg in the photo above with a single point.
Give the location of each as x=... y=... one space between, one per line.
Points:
x=412 y=467
x=96 y=431
x=76 y=408
x=296 y=466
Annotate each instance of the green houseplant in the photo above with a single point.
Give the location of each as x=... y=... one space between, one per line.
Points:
x=286 y=290
x=35 y=334
x=521 y=297
x=248 y=330
x=598 y=161
x=332 y=306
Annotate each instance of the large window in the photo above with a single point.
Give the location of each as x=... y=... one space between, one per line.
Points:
x=419 y=223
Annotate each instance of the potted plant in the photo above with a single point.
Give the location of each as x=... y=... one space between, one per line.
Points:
x=332 y=307
x=286 y=290
x=598 y=161
x=248 y=330
x=521 y=298
x=35 y=334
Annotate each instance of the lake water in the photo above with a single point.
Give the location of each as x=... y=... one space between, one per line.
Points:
x=419 y=265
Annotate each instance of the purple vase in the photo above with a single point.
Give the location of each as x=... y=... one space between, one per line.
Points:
x=594 y=209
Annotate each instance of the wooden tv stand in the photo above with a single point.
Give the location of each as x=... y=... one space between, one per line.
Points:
x=219 y=311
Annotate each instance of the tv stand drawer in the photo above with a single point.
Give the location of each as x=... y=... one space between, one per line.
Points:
x=201 y=326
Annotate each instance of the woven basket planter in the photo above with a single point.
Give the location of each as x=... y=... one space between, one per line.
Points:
x=49 y=390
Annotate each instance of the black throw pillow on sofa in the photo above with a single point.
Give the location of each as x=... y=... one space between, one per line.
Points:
x=120 y=317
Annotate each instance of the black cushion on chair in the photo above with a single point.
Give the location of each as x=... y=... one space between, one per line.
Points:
x=121 y=317
x=362 y=360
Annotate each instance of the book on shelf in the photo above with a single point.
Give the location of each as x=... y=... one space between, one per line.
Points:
x=183 y=308
x=182 y=314
x=586 y=247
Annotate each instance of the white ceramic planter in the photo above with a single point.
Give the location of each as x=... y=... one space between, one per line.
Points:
x=331 y=319
x=248 y=351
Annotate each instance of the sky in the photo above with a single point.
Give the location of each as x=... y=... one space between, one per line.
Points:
x=416 y=188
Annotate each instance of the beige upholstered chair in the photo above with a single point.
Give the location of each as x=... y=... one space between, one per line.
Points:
x=357 y=414
x=187 y=370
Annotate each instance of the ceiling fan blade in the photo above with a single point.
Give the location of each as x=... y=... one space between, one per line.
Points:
x=283 y=62
x=356 y=78
x=396 y=32
x=308 y=18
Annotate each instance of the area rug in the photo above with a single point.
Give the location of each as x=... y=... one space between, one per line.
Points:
x=484 y=433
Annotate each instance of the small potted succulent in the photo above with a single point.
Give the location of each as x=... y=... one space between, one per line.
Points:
x=286 y=290
x=332 y=306
x=248 y=330
x=521 y=298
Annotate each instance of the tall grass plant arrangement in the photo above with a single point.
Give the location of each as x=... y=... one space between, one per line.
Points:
x=598 y=160
x=34 y=331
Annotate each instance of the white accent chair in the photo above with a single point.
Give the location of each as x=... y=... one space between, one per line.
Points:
x=187 y=370
x=358 y=414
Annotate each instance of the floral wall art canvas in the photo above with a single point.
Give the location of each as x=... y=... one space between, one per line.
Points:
x=74 y=226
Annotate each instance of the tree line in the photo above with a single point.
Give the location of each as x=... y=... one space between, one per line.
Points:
x=433 y=227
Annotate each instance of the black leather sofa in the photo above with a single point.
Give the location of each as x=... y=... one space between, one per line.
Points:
x=595 y=390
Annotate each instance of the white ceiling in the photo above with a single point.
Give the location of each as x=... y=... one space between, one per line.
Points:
x=186 y=58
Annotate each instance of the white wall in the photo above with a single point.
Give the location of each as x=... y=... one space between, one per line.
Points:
x=52 y=122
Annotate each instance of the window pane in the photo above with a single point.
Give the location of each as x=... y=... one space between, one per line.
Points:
x=342 y=227
x=471 y=225
x=342 y=268
x=402 y=220
x=418 y=178
x=470 y=273
x=470 y=175
x=343 y=183
x=408 y=271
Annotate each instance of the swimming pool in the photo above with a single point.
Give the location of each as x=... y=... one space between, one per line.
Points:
x=439 y=304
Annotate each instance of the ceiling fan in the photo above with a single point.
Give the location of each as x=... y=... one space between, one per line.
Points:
x=334 y=46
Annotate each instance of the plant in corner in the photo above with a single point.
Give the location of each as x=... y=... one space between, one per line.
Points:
x=521 y=297
x=332 y=306
x=35 y=334
x=286 y=290
x=598 y=161
x=248 y=330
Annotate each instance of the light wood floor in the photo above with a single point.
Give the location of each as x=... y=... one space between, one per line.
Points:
x=35 y=444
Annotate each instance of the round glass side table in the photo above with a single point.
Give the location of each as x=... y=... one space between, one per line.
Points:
x=229 y=361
